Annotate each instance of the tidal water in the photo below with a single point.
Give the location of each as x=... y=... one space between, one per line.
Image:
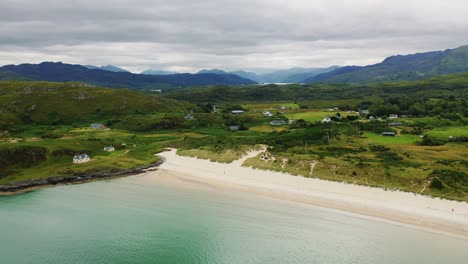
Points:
x=143 y=219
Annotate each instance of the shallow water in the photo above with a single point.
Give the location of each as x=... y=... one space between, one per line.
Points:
x=146 y=219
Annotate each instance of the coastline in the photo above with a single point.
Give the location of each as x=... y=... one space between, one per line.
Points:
x=423 y=212
x=31 y=185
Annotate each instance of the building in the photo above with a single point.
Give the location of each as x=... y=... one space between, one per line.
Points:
x=109 y=148
x=364 y=112
x=237 y=112
x=393 y=116
x=395 y=124
x=371 y=118
x=388 y=134
x=189 y=117
x=267 y=113
x=285 y=107
x=97 y=126
x=234 y=128
x=81 y=158
x=279 y=122
x=326 y=120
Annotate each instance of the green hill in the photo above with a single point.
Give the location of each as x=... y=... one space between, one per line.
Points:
x=401 y=68
x=49 y=103
x=456 y=84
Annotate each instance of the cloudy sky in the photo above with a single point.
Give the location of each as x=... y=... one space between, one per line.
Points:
x=188 y=35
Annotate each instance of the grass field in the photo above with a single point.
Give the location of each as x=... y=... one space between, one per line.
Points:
x=446 y=132
x=314 y=116
x=270 y=106
x=405 y=139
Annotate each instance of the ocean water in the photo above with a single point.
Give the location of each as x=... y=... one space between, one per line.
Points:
x=148 y=219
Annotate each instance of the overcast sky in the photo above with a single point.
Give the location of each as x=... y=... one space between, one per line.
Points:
x=188 y=35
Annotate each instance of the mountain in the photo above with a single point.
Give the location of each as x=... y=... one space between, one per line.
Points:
x=307 y=73
x=248 y=75
x=401 y=68
x=214 y=71
x=293 y=75
x=157 y=72
x=106 y=68
x=61 y=72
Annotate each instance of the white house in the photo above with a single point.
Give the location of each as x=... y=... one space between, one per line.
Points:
x=364 y=112
x=326 y=120
x=237 y=112
x=267 y=113
x=81 y=158
x=109 y=148
x=97 y=126
x=393 y=116
x=189 y=117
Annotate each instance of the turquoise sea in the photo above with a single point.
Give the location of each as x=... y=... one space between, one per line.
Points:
x=147 y=219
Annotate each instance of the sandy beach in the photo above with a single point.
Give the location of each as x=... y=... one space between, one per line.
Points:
x=437 y=215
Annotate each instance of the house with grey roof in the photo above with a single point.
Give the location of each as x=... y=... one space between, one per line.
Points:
x=81 y=158
x=279 y=122
x=388 y=134
x=97 y=126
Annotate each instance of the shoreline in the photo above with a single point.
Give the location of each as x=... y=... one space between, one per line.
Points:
x=423 y=212
x=32 y=185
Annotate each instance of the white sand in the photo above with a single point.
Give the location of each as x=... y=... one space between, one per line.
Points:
x=406 y=208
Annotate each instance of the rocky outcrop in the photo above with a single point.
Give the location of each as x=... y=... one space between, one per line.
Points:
x=76 y=178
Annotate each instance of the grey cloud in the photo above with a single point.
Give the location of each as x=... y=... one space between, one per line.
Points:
x=228 y=34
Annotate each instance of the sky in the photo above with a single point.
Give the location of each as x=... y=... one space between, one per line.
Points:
x=257 y=35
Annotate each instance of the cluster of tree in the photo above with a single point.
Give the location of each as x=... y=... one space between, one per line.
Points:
x=449 y=107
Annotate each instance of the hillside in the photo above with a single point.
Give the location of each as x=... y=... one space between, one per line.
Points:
x=437 y=86
x=67 y=103
x=401 y=68
x=61 y=72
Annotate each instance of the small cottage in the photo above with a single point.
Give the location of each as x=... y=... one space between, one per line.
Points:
x=81 y=158
x=364 y=112
x=97 y=126
x=109 y=148
x=237 y=112
x=326 y=120
x=189 y=117
x=388 y=134
x=395 y=124
x=234 y=128
x=393 y=116
x=279 y=122
x=267 y=114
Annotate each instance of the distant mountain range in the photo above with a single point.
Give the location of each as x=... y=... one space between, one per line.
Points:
x=293 y=75
x=395 y=68
x=158 y=72
x=401 y=68
x=61 y=72
x=111 y=68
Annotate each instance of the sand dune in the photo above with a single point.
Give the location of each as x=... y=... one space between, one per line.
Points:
x=438 y=215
